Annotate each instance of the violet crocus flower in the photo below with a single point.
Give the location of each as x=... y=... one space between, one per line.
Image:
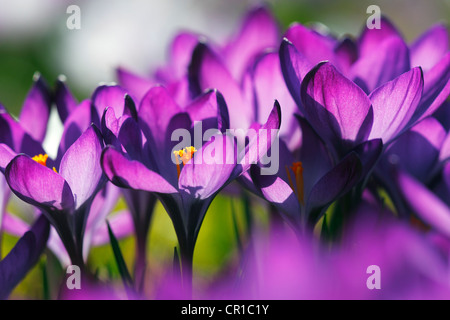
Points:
x=309 y=180
x=186 y=180
x=379 y=56
x=64 y=193
x=25 y=135
x=344 y=122
x=24 y=255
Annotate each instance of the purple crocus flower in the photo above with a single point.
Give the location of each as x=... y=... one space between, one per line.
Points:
x=379 y=57
x=309 y=179
x=64 y=193
x=344 y=116
x=25 y=135
x=186 y=180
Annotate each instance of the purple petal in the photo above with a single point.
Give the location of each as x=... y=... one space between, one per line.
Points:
x=210 y=168
x=14 y=225
x=389 y=60
x=121 y=224
x=339 y=180
x=211 y=109
x=436 y=88
x=77 y=122
x=311 y=44
x=427 y=205
x=206 y=71
x=36 y=109
x=430 y=47
x=38 y=185
x=335 y=107
x=370 y=39
x=80 y=165
x=155 y=112
x=269 y=86
x=417 y=150
x=6 y=155
x=279 y=193
x=109 y=97
x=259 y=32
x=64 y=100
x=136 y=85
x=181 y=53
x=294 y=67
x=445 y=149
x=394 y=103
x=346 y=53
x=260 y=142
x=24 y=255
x=126 y=173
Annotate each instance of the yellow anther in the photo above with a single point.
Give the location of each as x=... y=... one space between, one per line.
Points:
x=41 y=159
x=54 y=169
x=185 y=155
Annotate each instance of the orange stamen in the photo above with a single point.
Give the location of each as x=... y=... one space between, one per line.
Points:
x=41 y=159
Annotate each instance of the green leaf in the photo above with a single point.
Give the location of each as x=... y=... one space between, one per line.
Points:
x=121 y=265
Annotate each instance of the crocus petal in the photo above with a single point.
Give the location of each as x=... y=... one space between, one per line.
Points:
x=121 y=224
x=279 y=193
x=23 y=256
x=311 y=44
x=339 y=180
x=294 y=67
x=76 y=123
x=127 y=173
x=430 y=47
x=335 y=107
x=445 y=149
x=14 y=225
x=346 y=53
x=36 y=109
x=38 y=185
x=269 y=86
x=206 y=71
x=394 y=103
x=64 y=100
x=6 y=155
x=261 y=141
x=155 y=112
x=211 y=109
x=427 y=205
x=389 y=60
x=109 y=96
x=436 y=88
x=181 y=52
x=80 y=165
x=259 y=31
x=370 y=39
x=135 y=85
x=210 y=168
x=417 y=150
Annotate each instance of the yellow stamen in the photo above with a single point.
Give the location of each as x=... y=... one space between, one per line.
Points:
x=185 y=155
x=54 y=169
x=41 y=159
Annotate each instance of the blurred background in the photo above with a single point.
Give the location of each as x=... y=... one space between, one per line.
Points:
x=135 y=34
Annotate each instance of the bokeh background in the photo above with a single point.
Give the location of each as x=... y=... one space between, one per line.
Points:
x=135 y=34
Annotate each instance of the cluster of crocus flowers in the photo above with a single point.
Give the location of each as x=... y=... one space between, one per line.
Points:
x=346 y=140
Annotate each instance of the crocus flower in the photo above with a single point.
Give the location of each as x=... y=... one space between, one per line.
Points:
x=309 y=180
x=380 y=56
x=64 y=193
x=24 y=255
x=25 y=135
x=186 y=180
x=344 y=122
